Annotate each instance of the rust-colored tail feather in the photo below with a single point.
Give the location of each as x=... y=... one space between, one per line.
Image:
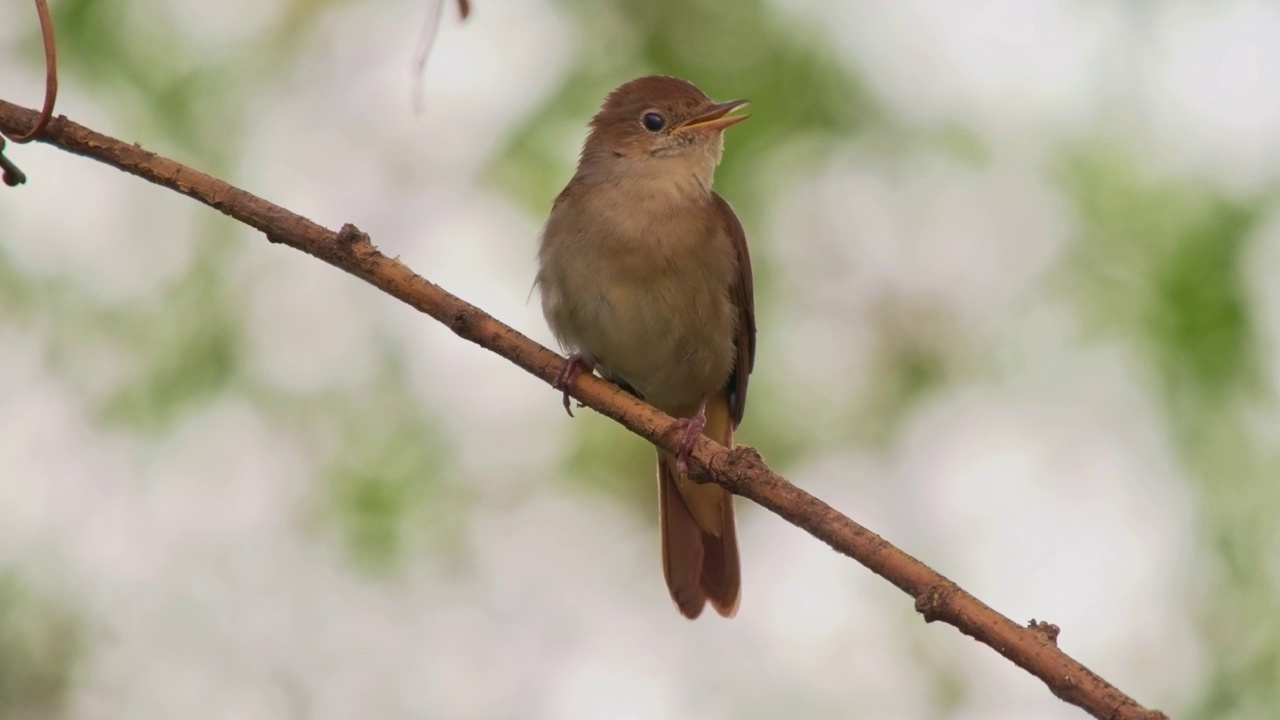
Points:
x=699 y=537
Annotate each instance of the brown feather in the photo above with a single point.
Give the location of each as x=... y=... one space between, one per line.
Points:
x=699 y=535
x=743 y=296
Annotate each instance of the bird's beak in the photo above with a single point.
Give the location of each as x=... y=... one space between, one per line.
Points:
x=714 y=117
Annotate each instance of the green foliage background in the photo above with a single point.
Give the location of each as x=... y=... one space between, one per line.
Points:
x=1155 y=265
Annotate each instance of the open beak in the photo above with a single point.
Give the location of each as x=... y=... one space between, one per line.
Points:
x=715 y=117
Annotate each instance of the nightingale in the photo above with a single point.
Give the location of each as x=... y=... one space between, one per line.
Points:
x=644 y=276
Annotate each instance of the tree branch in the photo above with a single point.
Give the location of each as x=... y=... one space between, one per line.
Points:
x=741 y=470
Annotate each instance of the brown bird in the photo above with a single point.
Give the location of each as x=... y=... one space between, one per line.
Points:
x=645 y=276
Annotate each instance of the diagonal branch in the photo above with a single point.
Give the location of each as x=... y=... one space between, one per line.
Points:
x=1033 y=648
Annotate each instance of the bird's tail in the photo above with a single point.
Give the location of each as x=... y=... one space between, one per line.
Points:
x=699 y=540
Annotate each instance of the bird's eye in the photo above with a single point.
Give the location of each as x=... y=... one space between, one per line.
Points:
x=652 y=121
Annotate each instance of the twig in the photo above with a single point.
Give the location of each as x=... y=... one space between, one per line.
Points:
x=11 y=174
x=740 y=470
x=426 y=41
x=50 y=79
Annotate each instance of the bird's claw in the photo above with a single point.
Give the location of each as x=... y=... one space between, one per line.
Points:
x=573 y=366
x=690 y=428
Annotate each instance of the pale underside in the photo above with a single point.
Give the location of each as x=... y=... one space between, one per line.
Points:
x=642 y=289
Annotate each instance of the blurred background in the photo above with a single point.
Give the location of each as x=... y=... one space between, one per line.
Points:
x=1014 y=268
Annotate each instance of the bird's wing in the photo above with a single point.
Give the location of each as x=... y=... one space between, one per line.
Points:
x=743 y=295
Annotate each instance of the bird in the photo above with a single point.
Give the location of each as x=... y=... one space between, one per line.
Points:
x=644 y=275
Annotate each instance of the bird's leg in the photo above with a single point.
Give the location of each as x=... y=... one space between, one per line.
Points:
x=691 y=428
x=572 y=368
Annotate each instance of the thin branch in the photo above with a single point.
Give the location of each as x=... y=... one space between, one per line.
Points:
x=10 y=173
x=50 y=79
x=426 y=41
x=741 y=470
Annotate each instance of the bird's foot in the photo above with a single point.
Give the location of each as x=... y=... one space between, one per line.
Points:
x=573 y=366
x=690 y=428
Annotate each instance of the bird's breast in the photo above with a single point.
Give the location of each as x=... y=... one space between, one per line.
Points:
x=644 y=291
